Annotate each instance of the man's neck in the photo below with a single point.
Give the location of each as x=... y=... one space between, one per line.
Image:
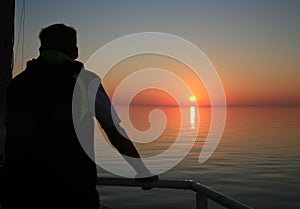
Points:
x=55 y=57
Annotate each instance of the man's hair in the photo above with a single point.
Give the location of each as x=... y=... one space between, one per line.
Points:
x=61 y=38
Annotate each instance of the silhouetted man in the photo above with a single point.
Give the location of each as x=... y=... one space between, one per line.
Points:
x=45 y=164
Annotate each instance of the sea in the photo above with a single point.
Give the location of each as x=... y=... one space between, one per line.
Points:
x=257 y=160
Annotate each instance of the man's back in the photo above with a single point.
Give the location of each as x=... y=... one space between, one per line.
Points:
x=42 y=147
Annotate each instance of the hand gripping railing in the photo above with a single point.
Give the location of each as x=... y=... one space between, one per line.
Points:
x=203 y=193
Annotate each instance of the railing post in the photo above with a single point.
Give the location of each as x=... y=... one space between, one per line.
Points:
x=201 y=201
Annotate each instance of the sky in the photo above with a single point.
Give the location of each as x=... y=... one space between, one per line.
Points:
x=253 y=45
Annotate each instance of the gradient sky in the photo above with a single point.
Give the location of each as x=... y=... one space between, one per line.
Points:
x=254 y=45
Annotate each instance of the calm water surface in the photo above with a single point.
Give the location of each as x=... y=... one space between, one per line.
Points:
x=257 y=161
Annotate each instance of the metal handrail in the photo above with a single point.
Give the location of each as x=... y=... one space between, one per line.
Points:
x=202 y=192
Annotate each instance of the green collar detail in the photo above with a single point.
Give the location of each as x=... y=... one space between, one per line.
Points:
x=55 y=57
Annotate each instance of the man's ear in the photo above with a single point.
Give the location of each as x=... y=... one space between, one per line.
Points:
x=74 y=54
x=41 y=50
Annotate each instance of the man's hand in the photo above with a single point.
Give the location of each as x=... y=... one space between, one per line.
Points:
x=147 y=180
x=131 y=155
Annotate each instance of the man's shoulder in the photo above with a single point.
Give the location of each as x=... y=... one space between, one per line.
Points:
x=87 y=75
x=31 y=67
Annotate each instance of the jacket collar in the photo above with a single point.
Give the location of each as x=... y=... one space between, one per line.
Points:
x=55 y=57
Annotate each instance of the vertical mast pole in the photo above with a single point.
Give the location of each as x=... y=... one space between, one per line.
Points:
x=7 y=18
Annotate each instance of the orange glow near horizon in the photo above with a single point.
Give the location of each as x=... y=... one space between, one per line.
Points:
x=252 y=89
x=156 y=96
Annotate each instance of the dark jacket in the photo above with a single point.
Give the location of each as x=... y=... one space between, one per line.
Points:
x=44 y=160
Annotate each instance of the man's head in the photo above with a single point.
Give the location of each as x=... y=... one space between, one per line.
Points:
x=59 y=37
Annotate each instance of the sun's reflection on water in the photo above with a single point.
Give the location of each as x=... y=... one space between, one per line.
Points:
x=192 y=117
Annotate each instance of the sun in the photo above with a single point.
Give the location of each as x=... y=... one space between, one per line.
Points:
x=192 y=98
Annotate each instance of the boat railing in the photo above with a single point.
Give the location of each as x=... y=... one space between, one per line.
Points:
x=203 y=193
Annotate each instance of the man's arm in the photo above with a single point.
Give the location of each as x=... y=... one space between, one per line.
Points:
x=122 y=144
x=110 y=122
x=128 y=150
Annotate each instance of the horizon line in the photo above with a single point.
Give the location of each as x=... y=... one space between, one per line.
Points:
x=207 y=106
